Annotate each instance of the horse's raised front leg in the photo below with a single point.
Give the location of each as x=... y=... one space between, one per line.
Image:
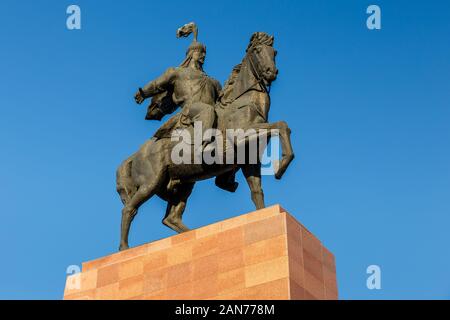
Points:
x=175 y=209
x=252 y=173
x=287 y=154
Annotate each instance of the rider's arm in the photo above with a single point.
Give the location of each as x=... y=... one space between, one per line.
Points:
x=159 y=85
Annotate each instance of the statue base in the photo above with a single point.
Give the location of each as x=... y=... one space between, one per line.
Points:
x=262 y=255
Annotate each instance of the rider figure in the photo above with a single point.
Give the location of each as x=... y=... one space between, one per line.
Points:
x=189 y=87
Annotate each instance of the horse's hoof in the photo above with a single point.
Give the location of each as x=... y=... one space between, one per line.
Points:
x=184 y=229
x=123 y=247
x=175 y=226
x=279 y=175
x=279 y=172
x=282 y=166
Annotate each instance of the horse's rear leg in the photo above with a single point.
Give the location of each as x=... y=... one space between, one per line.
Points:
x=252 y=173
x=175 y=209
x=144 y=193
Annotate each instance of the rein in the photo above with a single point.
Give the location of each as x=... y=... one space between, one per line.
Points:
x=257 y=76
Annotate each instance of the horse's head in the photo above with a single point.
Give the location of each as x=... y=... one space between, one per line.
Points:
x=261 y=55
x=257 y=67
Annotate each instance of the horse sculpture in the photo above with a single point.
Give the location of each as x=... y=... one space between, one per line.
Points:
x=244 y=105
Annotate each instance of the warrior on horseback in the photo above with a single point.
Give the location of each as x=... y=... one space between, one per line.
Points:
x=244 y=104
x=189 y=87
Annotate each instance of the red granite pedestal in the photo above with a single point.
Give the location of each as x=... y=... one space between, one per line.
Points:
x=265 y=254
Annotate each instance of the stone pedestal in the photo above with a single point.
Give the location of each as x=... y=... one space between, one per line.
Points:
x=265 y=254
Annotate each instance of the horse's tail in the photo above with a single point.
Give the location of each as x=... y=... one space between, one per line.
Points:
x=124 y=182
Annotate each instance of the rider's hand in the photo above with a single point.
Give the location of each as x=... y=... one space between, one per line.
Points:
x=138 y=97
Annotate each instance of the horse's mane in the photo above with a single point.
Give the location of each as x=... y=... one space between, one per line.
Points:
x=231 y=79
x=257 y=38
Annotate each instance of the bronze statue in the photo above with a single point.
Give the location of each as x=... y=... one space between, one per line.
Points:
x=242 y=104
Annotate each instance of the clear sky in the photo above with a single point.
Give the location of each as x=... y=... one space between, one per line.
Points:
x=369 y=113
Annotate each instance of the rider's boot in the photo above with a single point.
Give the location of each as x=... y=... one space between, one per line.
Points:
x=226 y=181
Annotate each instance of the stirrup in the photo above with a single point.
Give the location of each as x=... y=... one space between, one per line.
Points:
x=173 y=184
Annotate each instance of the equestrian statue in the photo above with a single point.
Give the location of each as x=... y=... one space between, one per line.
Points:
x=242 y=105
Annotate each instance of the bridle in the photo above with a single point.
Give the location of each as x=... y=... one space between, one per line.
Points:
x=257 y=75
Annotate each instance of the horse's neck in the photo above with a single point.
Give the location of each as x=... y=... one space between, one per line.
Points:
x=247 y=86
x=249 y=92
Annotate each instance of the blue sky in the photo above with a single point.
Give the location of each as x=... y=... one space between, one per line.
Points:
x=369 y=112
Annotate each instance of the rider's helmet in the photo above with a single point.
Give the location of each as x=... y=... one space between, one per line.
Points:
x=185 y=31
